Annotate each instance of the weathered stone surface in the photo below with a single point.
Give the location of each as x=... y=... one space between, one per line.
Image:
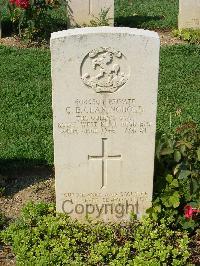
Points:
x=104 y=110
x=81 y=12
x=189 y=14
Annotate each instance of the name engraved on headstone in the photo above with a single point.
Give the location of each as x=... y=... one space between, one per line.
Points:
x=91 y=116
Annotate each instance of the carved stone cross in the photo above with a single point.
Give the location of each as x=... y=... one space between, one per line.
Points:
x=104 y=158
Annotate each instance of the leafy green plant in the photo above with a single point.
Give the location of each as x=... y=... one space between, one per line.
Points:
x=189 y=35
x=153 y=244
x=102 y=19
x=34 y=17
x=177 y=174
x=43 y=237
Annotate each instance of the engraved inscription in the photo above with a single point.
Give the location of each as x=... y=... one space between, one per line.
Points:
x=116 y=197
x=196 y=21
x=193 y=23
x=108 y=206
x=104 y=158
x=104 y=70
x=90 y=116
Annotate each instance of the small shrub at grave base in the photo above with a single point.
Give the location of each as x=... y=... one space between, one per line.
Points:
x=177 y=177
x=43 y=237
x=190 y=35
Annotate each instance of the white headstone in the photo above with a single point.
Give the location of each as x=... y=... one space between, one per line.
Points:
x=81 y=12
x=189 y=14
x=104 y=110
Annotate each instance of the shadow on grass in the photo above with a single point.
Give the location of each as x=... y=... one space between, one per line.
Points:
x=135 y=21
x=17 y=174
x=7 y=28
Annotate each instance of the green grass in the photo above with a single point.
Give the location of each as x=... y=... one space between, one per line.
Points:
x=150 y=14
x=179 y=86
x=26 y=116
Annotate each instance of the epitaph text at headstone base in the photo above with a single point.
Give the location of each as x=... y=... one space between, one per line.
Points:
x=104 y=106
x=82 y=12
x=189 y=14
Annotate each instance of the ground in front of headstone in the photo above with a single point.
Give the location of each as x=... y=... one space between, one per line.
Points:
x=33 y=184
x=39 y=186
x=166 y=38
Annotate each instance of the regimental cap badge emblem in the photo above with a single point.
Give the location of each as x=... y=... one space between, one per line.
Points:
x=104 y=70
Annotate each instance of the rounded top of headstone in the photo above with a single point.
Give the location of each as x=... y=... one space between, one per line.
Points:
x=104 y=30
